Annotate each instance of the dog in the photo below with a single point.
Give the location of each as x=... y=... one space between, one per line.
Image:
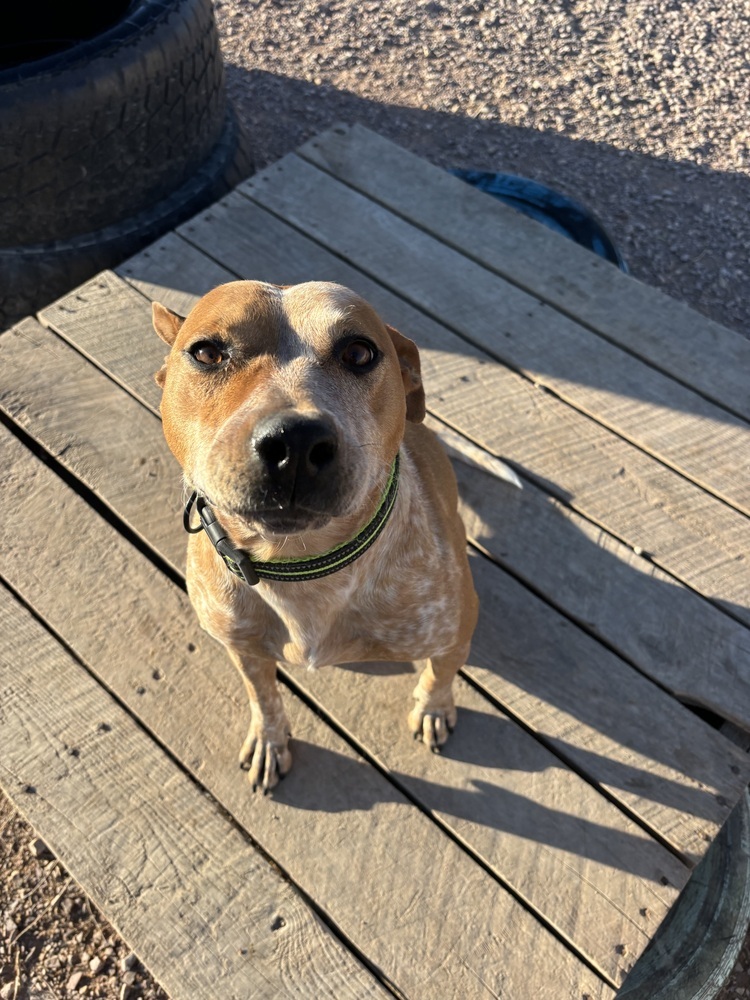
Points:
x=331 y=531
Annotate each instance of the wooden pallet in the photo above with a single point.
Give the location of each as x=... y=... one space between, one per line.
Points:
x=539 y=854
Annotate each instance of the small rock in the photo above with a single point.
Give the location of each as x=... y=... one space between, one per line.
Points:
x=129 y=962
x=7 y=991
x=39 y=849
x=129 y=978
x=74 y=981
x=96 y=965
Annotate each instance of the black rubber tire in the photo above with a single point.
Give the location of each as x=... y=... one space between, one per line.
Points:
x=95 y=133
x=34 y=275
x=693 y=952
x=109 y=144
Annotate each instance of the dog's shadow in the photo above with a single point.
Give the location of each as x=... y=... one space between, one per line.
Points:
x=481 y=811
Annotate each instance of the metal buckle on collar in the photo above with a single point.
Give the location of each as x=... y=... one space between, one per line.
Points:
x=237 y=561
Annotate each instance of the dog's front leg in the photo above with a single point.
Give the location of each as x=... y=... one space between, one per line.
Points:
x=433 y=717
x=265 y=753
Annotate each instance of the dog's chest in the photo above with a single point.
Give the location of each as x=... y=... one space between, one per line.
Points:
x=339 y=625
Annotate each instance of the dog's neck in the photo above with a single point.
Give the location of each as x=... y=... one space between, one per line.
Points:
x=307 y=544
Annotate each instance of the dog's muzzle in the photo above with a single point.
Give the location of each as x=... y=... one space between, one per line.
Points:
x=295 y=469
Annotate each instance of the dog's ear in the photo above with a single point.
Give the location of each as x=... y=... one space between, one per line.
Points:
x=166 y=323
x=411 y=373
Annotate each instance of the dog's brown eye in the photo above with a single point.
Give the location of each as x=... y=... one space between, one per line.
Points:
x=207 y=354
x=358 y=354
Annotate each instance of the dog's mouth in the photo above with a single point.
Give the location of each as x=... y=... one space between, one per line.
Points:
x=285 y=520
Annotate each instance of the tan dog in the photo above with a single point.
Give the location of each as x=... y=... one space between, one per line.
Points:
x=287 y=408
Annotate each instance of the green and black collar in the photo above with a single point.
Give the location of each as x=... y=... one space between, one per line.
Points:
x=283 y=570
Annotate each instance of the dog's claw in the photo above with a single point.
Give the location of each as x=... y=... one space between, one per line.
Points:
x=265 y=760
x=432 y=726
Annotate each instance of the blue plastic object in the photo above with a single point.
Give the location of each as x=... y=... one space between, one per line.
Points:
x=552 y=209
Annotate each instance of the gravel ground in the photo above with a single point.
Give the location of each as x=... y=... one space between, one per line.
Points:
x=638 y=109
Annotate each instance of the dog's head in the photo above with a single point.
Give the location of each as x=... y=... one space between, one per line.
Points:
x=285 y=406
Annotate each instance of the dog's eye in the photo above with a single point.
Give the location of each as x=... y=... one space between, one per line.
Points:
x=207 y=354
x=358 y=355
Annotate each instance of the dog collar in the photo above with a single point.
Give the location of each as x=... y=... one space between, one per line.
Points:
x=311 y=568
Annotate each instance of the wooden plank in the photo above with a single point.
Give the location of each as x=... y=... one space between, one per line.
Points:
x=667 y=333
x=193 y=897
x=377 y=866
x=110 y=323
x=679 y=427
x=684 y=531
x=592 y=710
x=99 y=432
x=174 y=273
x=103 y=437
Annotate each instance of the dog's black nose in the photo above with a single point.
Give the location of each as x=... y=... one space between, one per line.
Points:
x=295 y=450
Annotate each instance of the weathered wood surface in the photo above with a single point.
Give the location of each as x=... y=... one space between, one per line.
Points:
x=85 y=420
x=685 y=531
x=668 y=334
x=592 y=711
x=203 y=908
x=611 y=592
x=110 y=323
x=504 y=793
x=377 y=866
x=633 y=744
x=618 y=390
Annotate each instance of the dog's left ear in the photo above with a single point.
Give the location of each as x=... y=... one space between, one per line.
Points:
x=411 y=373
x=166 y=323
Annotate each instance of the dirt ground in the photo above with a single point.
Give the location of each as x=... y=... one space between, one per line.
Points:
x=638 y=109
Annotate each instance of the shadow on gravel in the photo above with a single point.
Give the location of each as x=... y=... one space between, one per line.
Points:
x=680 y=227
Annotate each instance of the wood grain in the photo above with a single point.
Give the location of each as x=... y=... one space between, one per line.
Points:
x=199 y=904
x=702 y=655
x=110 y=323
x=573 y=692
x=96 y=430
x=667 y=333
x=376 y=865
x=172 y=272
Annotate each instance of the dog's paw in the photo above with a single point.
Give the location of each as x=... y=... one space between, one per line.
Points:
x=265 y=758
x=432 y=726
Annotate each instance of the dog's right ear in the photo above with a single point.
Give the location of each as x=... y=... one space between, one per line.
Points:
x=166 y=323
